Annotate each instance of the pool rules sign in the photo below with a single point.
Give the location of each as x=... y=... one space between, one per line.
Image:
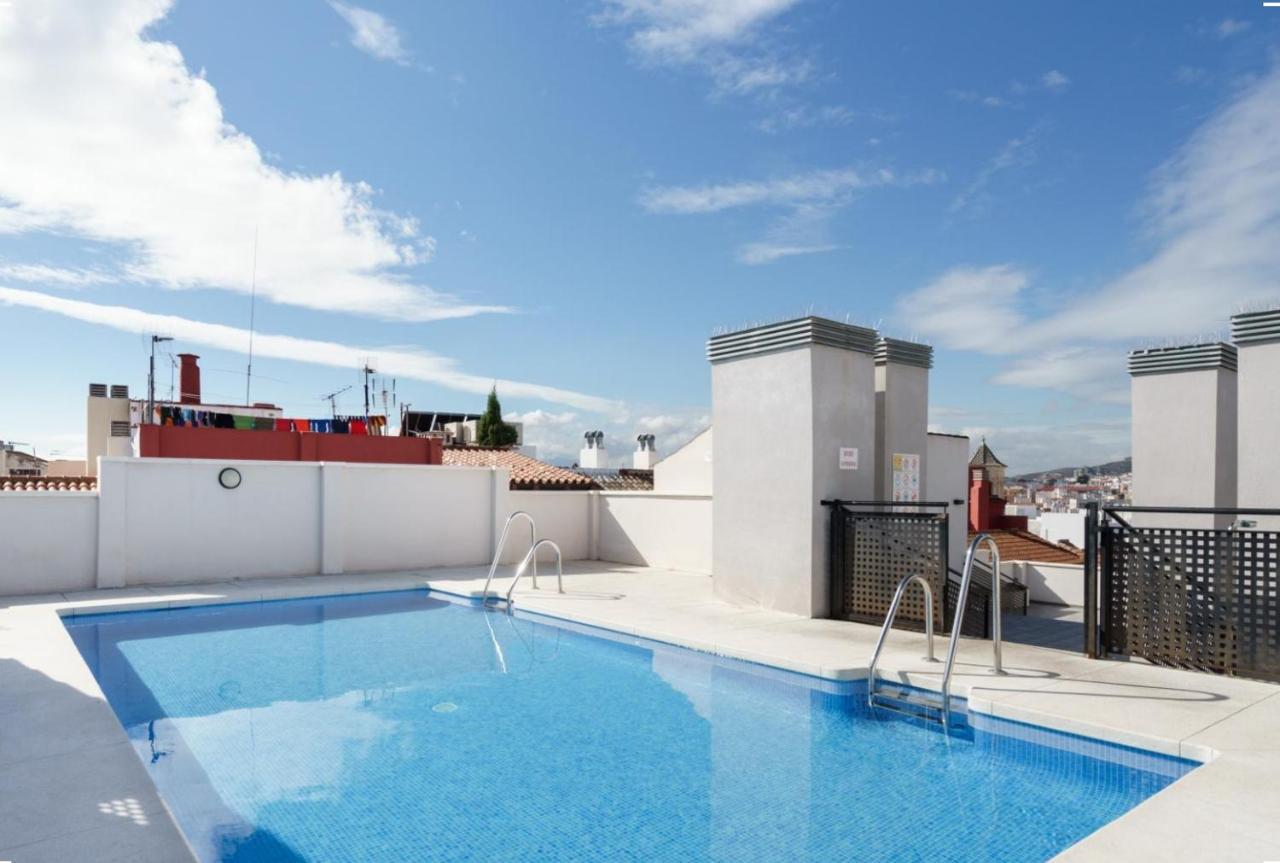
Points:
x=906 y=477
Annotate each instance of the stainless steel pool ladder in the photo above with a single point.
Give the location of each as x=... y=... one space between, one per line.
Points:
x=902 y=701
x=533 y=556
x=502 y=543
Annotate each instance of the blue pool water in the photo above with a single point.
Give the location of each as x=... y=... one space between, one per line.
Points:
x=406 y=727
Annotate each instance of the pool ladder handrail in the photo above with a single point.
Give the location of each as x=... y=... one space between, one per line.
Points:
x=532 y=555
x=502 y=542
x=963 y=595
x=954 y=642
x=888 y=624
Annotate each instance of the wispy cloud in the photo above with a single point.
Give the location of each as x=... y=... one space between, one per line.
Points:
x=44 y=274
x=808 y=187
x=1229 y=27
x=809 y=117
x=808 y=200
x=1015 y=153
x=765 y=252
x=1212 y=218
x=108 y=135
x=1055 y=81
x=558 y=435
x=964 y=306
x=398 y=362
x=372 y=33
x=724 y=38
x=986 y=100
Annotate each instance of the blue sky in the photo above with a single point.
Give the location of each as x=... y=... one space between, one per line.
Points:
x=568 y=198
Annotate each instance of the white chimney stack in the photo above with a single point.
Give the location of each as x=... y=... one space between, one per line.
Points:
x=646 y=454
x=593 y=453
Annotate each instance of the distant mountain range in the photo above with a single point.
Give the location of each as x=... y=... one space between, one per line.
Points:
x=1124 y=465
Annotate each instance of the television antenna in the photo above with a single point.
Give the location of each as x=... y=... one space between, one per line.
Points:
x=332 y=398
x=366 y=369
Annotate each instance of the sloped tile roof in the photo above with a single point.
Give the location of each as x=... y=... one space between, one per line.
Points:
x=1025 y=545
x=48 y=483
x=624 y=479
x=984 y=456
x=526 y=473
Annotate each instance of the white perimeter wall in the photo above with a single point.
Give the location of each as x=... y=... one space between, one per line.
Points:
x=1059 y=526
x=668 y=531
x=165 y=521
x=1053 y=583
x=688 y=469
x=48 y=541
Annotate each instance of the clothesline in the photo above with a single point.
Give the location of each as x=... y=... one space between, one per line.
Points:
x=360 y=425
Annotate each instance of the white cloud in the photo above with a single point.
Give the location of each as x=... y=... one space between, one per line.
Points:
x=1229 y=27
x=396 y=362
x=809 y=187
x=722 y=37
x=57 y=276
x=1055 y=80
x=808 y=117
x=372 y=33
x=1028 y=448
x=680 y=30
x=108 y=135
x=1016 y=153
x=558 y=436
x=988 y=101
x=968 y=308
x=1213 y=214
x=1212 y=220
x=809 y=200
x=755 y=254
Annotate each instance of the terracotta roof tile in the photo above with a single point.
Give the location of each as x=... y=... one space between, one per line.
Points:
x=1025 y=545
x=48 y=483
x=623 y=479
x=526 y=473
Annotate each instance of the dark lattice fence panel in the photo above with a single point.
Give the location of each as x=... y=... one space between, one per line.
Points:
x=1193 y=598
x=881 y=549
x=976 y=621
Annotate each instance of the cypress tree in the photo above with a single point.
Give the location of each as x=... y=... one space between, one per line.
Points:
x=491 y=430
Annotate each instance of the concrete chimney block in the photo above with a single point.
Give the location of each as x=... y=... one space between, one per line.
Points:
x=902 y=418
x=1257 y=339
x=1184 y=431
x=793 y=407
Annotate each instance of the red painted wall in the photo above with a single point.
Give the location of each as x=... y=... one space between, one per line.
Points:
x=986 y=511
x=155 y=441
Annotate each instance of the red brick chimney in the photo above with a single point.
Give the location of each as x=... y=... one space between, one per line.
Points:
x=189 y=380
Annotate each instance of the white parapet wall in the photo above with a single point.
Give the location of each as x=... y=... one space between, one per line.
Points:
x=48 y=541
x=168 y=521
x=563 y=517
x=668 y=531
x=1051 y=583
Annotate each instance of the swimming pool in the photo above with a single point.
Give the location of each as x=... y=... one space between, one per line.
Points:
x=408 y=726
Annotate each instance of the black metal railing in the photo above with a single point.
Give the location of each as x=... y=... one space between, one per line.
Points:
x=874 y=544
x=1184 y=595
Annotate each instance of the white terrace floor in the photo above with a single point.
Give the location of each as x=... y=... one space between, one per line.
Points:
x=71 y=787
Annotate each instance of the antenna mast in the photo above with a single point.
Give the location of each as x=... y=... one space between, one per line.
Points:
x=333 y=399
x=367 y=370
x=253 y=297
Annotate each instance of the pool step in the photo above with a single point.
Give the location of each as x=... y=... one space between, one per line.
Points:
x=909 y=702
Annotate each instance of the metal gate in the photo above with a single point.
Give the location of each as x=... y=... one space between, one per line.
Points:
x=1201 y=598
x=874 y=546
